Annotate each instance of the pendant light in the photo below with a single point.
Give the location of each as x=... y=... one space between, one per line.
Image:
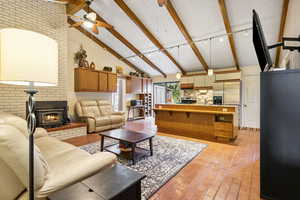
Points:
x=210 y=72
x=178 y=75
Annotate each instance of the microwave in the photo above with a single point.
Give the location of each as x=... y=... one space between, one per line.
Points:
x=136 y=102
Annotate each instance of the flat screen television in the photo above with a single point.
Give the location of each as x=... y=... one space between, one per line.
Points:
x=260 y=45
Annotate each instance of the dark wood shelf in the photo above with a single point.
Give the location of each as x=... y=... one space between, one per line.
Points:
x=139 y=152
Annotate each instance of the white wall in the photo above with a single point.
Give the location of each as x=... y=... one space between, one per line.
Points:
x=95 y=54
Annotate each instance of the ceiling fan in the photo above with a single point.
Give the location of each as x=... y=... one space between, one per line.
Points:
x=90 y=20
x=161 y=3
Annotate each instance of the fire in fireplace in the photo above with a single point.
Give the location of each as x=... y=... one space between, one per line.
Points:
x=51 y=113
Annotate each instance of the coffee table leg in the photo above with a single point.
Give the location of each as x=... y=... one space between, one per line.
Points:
x=133 y=153
x=102 y=143
x=151 y=147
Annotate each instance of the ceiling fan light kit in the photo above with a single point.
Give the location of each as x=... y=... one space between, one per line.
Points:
x=90 y=21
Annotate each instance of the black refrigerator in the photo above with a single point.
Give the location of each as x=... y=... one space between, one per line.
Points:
x=280 y=135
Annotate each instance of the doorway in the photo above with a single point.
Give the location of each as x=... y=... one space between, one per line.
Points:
x=159 y=94
x=167 y=92
x=251 y=101
x=118 y=98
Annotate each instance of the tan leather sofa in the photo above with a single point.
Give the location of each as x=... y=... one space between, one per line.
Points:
x=99 y=115
x=57 y=164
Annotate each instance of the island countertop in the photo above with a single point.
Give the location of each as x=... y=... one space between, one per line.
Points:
x=197 y=121
x=194 y=111
x=214 y=109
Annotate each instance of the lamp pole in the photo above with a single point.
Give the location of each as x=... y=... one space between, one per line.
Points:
x=31 y=126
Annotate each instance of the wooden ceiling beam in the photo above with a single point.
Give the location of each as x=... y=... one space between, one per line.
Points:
x=104 y=46
x=185 y=33
x=74 y=6
x=229 y=32
x=149 y=35
x=127 y=43
x=285 y=7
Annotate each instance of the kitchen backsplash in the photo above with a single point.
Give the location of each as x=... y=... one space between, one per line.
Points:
x=201 y=96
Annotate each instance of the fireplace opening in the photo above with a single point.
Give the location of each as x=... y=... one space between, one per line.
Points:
x=51 y=114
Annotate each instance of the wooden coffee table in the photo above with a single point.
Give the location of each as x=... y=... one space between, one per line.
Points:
x=130 y=137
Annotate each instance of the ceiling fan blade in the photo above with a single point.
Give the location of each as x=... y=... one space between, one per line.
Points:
x=59 y=1
x=95 y=29
x=76 y=24
x=73 y=16
x=102 y=24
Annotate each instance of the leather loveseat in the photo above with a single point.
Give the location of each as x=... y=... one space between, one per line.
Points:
x=57 y=164
x=99 y=115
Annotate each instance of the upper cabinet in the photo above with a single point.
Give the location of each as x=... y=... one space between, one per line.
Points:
x=112 y=82
x=187 y=80
x=103 y=82
x=228 y=77
x=136 y=85
x=87 y=80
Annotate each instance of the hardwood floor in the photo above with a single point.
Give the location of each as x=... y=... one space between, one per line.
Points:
x=221 y=172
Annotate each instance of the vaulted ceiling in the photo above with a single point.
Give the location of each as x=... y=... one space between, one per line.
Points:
x=202 y=19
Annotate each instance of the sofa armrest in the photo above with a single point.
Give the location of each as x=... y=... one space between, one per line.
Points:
x=91 y=122
x=118 y=113
x=40 y=132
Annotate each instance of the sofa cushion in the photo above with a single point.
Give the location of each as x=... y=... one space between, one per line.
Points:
x=74 y=166
x=116 y=119
x=105 y=107
x=15 y=154
x=89 y=108
x=10 y=185
x=103 y=121
x=52 y=147
x=18 y=122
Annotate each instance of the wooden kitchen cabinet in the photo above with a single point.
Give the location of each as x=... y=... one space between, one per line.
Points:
x=128 y=85
x=134 y=85
x=103 y=82
x=112 y=82
x=86 y=80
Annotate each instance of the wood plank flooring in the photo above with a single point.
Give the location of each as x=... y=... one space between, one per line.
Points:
x=220 y=172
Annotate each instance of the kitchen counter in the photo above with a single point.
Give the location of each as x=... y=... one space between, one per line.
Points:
x=193 y=111
x=197 y=121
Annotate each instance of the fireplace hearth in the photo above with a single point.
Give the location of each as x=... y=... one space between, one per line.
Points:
x=51 y=114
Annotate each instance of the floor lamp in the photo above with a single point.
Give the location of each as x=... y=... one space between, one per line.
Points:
x=30 y=59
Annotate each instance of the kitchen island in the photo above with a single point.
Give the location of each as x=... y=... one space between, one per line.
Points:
x=197 y=121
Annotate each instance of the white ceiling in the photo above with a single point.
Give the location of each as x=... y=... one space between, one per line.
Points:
x=202 y=19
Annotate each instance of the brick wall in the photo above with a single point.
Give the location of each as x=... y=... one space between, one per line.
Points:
x=42 y=17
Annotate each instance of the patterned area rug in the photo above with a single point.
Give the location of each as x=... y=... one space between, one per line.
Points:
x=170 y=156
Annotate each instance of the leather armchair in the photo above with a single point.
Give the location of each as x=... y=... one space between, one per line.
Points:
x=99 y=115
x=57 y=164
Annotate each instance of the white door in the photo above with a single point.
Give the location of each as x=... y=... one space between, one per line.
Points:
x=251 y=101
x=159 y=94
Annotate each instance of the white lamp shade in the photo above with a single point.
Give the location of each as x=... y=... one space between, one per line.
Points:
x=27 y=58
